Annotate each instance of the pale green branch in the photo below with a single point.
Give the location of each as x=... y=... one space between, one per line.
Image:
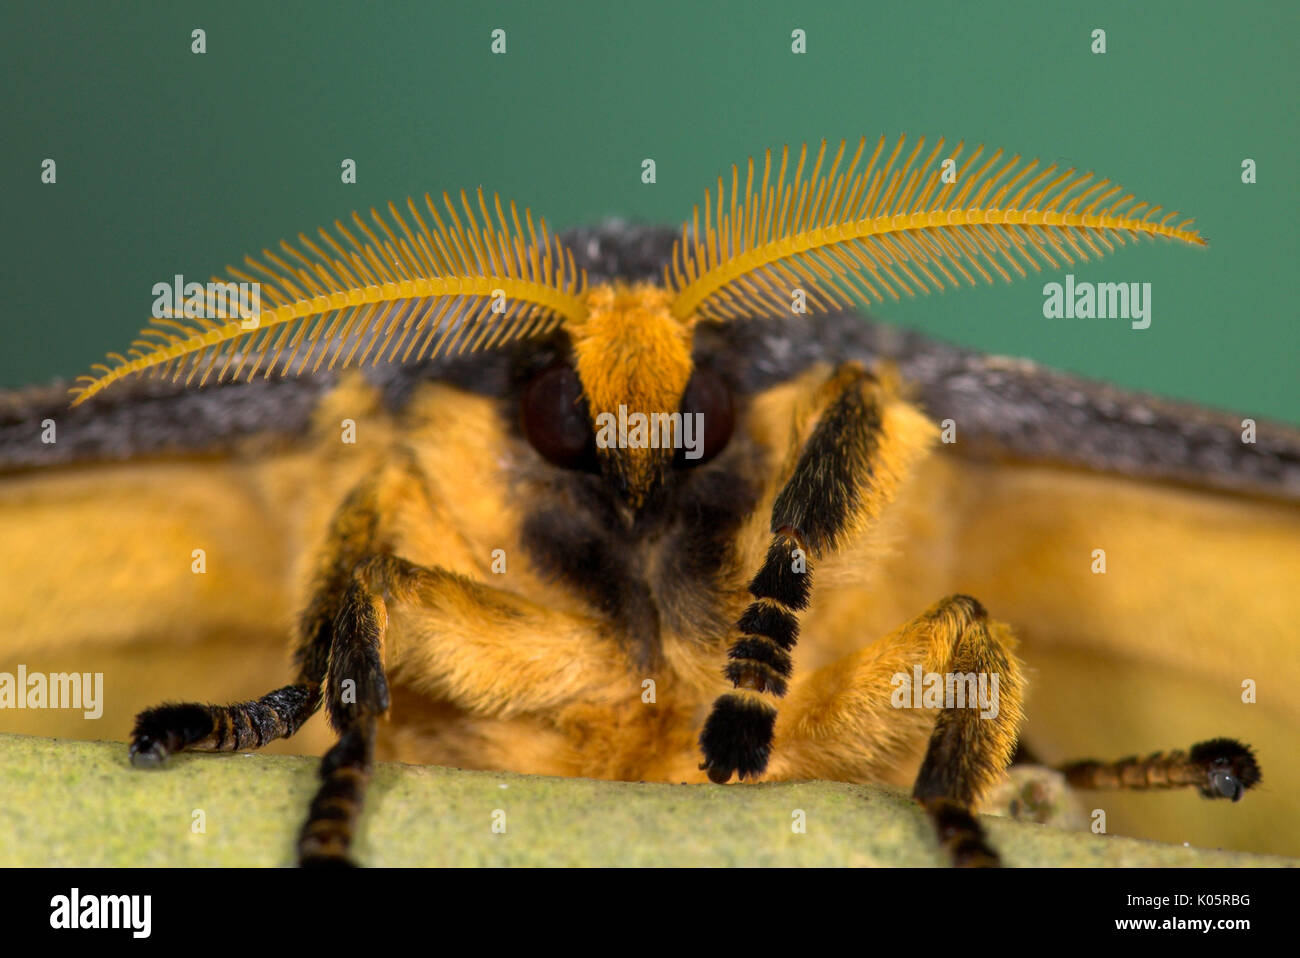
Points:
x=81 y=803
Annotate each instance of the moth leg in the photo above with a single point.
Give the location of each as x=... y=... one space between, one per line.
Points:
x=847 y=470
x=166 y=729
x=1218 y=768
x=968 y=751
x=341 y=636
x=853 y=720
x=356 y=693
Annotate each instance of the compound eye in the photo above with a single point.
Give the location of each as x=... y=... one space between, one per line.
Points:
x=707 y=395
x=555 y=418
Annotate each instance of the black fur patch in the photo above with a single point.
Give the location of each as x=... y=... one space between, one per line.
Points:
x=1230 y=767
x=835 y=465
x=165 y=730
x=767 y=620
x=593 y=560
x=659 y=571
x=943 y=771
x=778 y=580
x=737 y=738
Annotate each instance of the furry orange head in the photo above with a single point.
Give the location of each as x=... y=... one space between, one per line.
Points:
x=630 y=351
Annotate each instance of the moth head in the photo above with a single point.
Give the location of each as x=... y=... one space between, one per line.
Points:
x=632 y=405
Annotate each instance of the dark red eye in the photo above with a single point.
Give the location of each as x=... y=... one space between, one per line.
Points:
x=707 y=395
x=555 y=419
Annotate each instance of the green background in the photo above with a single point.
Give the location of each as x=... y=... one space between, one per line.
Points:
x=173 y=162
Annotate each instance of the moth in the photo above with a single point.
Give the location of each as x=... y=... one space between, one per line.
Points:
x=646 y=504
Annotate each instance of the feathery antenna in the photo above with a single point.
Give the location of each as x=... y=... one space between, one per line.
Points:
x=895 y=227
x=415 y=292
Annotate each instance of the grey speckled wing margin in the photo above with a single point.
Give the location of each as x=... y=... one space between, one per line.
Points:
x=1018 y=409
x=148 y=418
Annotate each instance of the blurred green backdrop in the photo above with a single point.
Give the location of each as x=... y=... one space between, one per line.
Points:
x=169 y=162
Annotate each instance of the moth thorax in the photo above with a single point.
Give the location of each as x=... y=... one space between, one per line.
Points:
x=634 y=359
